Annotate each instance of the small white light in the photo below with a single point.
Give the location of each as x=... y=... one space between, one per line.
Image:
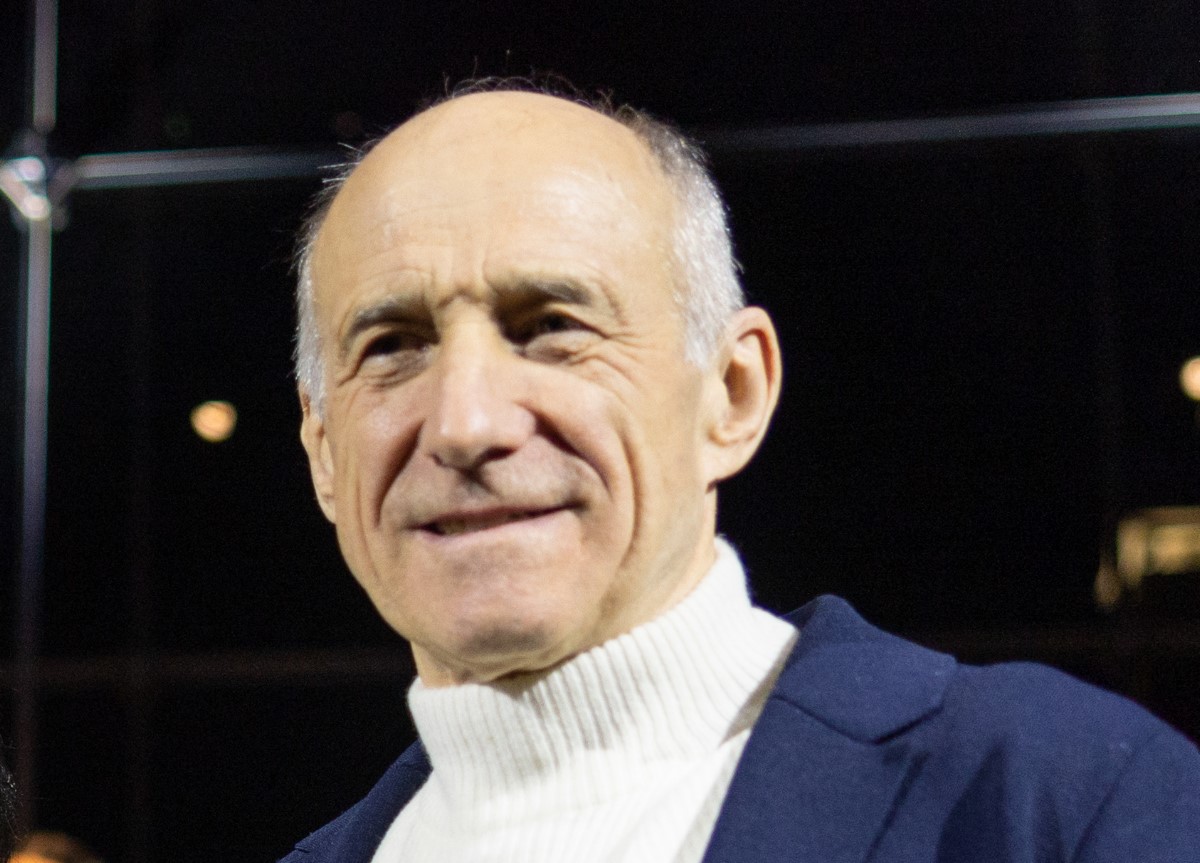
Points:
x=214 y=421
x=30 y=168
x=1189 y=378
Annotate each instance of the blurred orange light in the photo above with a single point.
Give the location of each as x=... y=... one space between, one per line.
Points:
x=214 y=421
x=1189 y=378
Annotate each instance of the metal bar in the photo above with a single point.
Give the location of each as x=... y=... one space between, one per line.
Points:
x=330 y=667
x=34 y=359
x=183 y=167
x=1169 y=640
x=1084 y=116
x=234 y=164
x=43 y=75
x=1163 y=641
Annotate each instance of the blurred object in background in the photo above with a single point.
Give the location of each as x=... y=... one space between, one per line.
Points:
x=46 y=846
x=1157 y=563
x=7 y=802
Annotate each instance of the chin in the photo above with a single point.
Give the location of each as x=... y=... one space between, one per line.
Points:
x=501 y=649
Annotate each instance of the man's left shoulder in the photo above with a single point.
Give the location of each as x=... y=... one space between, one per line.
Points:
x=899 y=683
x=1041 y=757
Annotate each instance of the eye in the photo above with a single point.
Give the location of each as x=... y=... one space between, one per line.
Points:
x=394 y=341
x=393 y=353
x=552 y=323
x=382 y=345
x=551 y=337
x=544 y=328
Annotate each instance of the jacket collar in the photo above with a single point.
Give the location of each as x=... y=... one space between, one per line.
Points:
x=355 y=835
x=859 y=680
x=830 y=757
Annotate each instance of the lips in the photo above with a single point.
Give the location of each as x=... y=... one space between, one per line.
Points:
x=461 y=523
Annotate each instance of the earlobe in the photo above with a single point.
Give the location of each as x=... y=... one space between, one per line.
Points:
x=747 y=381
x=320 y=459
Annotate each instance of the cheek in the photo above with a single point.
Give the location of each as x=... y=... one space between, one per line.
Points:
x=379 y=438
x=589 y=424
x=644 y=423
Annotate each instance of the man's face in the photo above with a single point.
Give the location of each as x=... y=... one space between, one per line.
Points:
x=512 y=446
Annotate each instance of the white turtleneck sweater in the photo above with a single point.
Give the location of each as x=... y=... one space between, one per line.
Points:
x=623 y=753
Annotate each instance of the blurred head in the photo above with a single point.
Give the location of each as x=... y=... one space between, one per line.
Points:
x=515 y=423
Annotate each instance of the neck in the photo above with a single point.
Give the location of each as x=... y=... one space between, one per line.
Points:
x=672 y=689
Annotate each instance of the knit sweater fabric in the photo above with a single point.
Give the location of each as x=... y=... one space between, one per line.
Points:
x=622 y=753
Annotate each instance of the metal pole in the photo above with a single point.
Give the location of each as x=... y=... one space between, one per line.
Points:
x=43 y=109
x=34 y=358
x=34 y=364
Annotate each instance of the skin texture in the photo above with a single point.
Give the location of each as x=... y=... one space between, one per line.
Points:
x=518 y=460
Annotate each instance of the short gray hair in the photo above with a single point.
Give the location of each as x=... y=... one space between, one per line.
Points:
x=703 y=250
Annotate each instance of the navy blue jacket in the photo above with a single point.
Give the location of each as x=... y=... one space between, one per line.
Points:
x=871 y=748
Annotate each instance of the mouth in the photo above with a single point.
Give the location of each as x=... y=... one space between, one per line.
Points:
x=458 y=524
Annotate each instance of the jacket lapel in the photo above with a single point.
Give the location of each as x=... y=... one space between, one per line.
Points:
x=833 y=753
x=355 y=836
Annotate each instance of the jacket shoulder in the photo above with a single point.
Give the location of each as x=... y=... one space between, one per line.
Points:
x=1016 y=760
x=1037 y=760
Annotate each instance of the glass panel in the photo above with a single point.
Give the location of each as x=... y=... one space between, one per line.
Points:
x=84 y=769
x=159 y=538
x=166 y=75
x=934 y=456
x=267 y=767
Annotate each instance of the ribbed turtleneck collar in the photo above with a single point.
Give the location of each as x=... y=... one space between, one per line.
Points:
x=670 y=690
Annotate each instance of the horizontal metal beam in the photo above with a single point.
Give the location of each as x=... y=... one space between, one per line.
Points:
x=226 y=669
x=187 y=167
x=1166 y=641
x=1163 y=640
x=1083 y=116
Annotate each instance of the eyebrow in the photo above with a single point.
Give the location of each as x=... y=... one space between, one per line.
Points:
x=526 y=291
x=519 y=292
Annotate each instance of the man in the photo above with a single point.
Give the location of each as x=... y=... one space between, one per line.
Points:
x=525 y=366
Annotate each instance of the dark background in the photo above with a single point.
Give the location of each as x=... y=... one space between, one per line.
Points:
x=982 y=344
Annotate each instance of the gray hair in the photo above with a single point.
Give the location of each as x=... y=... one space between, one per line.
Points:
x=710 y=290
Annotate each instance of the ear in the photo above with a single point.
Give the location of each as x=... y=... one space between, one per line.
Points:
x=745 y=386
x=320 y=460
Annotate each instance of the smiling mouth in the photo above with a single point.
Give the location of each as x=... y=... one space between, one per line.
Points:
x=483 y=521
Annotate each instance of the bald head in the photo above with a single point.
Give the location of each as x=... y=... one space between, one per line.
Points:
x=512 y=140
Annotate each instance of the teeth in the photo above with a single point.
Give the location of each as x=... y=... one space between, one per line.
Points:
x=455 y=527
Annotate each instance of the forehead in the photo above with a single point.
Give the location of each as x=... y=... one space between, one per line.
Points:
x=504 y=137
x=519 y=172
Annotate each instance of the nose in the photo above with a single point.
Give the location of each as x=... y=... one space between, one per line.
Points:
x=475 y=416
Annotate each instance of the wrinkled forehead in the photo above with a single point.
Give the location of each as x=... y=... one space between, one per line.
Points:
x=503 y=146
